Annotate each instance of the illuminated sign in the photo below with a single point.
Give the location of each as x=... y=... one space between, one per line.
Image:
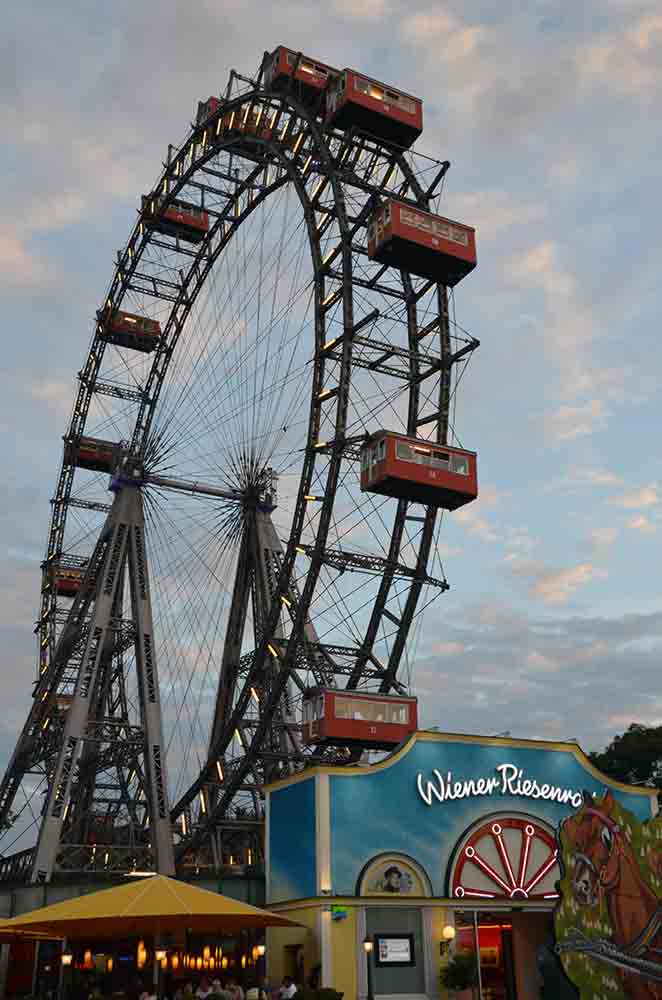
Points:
x=509 y=780
x=394 y=949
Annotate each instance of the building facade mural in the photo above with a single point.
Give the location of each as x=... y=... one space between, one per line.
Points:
x=423 y=802
x=461 y=833
x=393 y=875
x=609 y=922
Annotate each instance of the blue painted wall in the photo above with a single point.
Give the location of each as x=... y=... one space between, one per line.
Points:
x=378 y=811
x=292 y=856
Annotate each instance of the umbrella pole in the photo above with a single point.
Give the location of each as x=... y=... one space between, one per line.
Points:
x=156 y=969
x=60 y=975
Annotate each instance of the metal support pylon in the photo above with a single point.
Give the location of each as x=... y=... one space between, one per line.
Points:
x=254 y=584
x=258 y=567
x=125 y=554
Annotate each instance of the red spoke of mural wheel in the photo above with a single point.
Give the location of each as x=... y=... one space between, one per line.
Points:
x=517 y=858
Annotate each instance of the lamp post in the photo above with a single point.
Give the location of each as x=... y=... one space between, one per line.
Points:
x=367 y=947
x=160 y=954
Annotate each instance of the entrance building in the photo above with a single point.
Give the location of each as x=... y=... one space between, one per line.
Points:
x=449 y=831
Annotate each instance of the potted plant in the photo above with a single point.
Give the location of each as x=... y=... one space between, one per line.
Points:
x=460 y=975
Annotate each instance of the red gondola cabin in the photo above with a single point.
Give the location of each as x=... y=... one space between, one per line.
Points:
x=66 y=579
x=408 y=468
x=92 y=453
x=346 y=718
x=63 y=702
x=355 y=100
x=207 y=108
x=178 y=218
x=129 y=330
x=424 y=244
x=311 y=75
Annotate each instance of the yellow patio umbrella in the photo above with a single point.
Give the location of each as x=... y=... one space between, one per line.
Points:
x=156 y=905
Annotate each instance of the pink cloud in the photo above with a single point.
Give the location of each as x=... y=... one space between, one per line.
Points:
x=642 y=524
x=569 y=422
x=18 y=267
x=646 y=496
x=448 y=648
x=556 y=586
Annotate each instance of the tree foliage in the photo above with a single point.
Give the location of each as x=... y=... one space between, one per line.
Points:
x=634 y=757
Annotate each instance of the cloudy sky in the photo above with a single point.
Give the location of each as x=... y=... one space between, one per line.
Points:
x=549 y=112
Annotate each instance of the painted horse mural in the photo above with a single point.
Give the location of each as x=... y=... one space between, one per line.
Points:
x=609 y=921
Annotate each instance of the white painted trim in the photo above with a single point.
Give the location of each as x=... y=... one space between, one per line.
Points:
x=323 y=833
x=361 y=969
x=324 y=925
x=430 y=967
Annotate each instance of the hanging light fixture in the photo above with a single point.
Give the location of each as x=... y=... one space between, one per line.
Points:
x=224 y=962
x=175 y=962
x=198 y=962
x=66 y=958
x=109 y=964
x=87 y=959
x=206 y=953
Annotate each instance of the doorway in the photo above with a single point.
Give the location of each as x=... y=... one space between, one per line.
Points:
x=506 y=945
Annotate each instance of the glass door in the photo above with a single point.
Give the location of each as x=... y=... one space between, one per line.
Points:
x=489 y=938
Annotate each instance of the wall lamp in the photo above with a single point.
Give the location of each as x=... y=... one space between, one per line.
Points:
x=447 y=935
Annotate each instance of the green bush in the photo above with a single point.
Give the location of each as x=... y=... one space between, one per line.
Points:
x=461 y=971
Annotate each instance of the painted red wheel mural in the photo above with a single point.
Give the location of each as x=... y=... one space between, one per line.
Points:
x=509 y=857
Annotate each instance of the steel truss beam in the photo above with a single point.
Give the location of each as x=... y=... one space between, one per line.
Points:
x=97 y=716
x=341 y=560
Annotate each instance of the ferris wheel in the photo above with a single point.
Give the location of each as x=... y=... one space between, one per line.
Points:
x=215 y=549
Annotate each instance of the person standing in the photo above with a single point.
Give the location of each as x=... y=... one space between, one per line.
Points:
x=235 y=990
x=204 y=989
x=288 y=989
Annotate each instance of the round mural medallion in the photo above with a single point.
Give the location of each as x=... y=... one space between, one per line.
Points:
x=510 y=857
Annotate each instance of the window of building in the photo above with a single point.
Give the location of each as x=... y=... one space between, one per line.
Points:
x=398 y=714
x=460 y=465
x=404 y=451
x=441 y=459
x=459 y=236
